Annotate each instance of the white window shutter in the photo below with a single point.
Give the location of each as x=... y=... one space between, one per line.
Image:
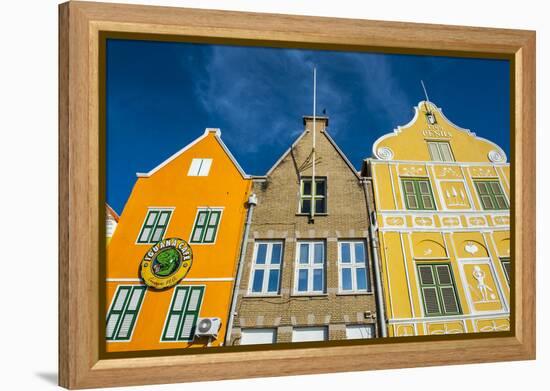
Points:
x=194 y=168
x=205 y=167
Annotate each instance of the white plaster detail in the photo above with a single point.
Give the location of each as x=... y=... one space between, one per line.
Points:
x=471 y=248
x=496 y=156
x=384 y=153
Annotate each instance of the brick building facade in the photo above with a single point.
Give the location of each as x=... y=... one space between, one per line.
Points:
x=304 y=278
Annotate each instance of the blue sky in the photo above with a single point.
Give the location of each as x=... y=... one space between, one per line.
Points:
x=162 y=95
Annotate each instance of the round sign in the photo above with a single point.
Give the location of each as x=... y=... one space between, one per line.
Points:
x=166 y=263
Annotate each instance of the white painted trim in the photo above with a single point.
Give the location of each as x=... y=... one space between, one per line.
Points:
x=448 y=318
x=407 y=275
x=432 y=163
x=386 y=264
x=217 y=134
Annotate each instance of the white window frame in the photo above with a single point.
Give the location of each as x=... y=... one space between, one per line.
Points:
x=209 y=210
x=361 y=327
x=199 y=167
x=303 y=330
x=438 y=146
x=310 y=267
x=263 y=332
x=267 y=267
x=353 y=266
x=159 y=210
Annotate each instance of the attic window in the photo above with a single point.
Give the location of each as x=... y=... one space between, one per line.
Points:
x=199 y=167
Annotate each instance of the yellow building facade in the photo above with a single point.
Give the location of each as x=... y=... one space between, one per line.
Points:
x=198 y=195
x=442 y=198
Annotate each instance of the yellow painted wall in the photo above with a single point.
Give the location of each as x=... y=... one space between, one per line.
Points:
x=170 y=187
x=459 y=232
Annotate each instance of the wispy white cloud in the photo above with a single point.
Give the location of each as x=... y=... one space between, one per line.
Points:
x=261 y=93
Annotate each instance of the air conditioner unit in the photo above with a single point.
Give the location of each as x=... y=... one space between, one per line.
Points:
x=208 y=327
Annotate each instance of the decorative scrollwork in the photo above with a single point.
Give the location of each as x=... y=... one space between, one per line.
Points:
x=496 y=156
x=385 y=153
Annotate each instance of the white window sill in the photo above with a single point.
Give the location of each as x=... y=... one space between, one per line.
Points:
x=366 y=293
x=308 y=294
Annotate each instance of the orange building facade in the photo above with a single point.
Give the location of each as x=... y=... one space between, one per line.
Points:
x=197 y=195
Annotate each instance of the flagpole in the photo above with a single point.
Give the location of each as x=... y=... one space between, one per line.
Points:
x=312 y=208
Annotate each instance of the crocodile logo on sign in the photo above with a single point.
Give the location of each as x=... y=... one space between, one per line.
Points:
x=166 y=263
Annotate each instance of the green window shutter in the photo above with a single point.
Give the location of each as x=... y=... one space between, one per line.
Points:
x=410 y=196
x=183 y=314
x=200 y=227
x=177 y=308
x=431 y=301
x=438 y=289
x=154 y=226
x=491 y=195
x=148 y=226
x=418 y=194
x=123 y=313
x=212 y=226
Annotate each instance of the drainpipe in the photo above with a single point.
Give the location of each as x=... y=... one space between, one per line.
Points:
x=377 y=274
x=252 y=202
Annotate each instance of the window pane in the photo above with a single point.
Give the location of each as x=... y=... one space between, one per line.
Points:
x=201 y=220
x=446 y=152
x=124 y=330
x=424 y=187
x=318 y=280
x=427 y=201
x=361 y=278
x=319 y=253
x=197 y=235
x=276 y=253
x=443 y=274
x=261 y=254
x=157 y=235
x=409 y=188
x=306 y=187
x=320 y=187
x=163 y=219
x=111 y=325
x=210 y=233
x=320 y=205
x=145 y=235
x=359 y=253
x=434 y=152
x=346 y=279
x=304 y=253
x=430 y=300
x=151 y=218
x=411 y=200
x=487 y=202
x=345 y=256
x=482 y=188
x=495 y=187
x=214 y=218
x=302 y=280
x=306 y=206
x=258 y=281
x=449 y=299
x=501 y=202
x=273 y=284
x=426 y=276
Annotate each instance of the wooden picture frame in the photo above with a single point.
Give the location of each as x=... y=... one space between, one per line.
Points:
x=81 y=364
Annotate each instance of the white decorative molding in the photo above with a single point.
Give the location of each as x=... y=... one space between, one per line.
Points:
x=384 y=153
x=496 y=156
x=471 y=248
x=412 y=171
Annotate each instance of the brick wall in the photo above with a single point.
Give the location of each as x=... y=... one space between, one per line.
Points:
x=276 y=217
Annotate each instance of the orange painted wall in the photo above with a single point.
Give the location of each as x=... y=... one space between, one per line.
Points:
x=170 y=187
